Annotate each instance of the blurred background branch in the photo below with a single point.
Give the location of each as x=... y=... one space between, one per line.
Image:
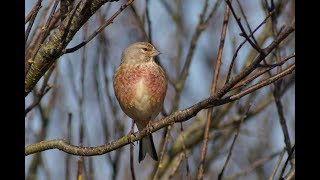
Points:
x=70 y=58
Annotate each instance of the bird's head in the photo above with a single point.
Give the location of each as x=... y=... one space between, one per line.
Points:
x=139 y=52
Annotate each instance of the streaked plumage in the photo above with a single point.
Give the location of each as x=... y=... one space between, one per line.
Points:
x=140 y=87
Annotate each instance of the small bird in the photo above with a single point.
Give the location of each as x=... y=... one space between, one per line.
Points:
x=140 y=87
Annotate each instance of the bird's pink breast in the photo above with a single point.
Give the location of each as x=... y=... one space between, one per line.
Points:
x=127 y=83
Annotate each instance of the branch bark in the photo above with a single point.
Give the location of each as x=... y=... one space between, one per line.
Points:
x=212 y=92
x=58 y=40
x=179 y=116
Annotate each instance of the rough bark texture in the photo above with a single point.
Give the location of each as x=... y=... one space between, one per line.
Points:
x=58 y=40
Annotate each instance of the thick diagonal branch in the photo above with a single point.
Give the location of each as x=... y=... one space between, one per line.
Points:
x=179 y=116
x=58 y=40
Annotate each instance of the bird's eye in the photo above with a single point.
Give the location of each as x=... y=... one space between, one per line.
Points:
x=145 y=49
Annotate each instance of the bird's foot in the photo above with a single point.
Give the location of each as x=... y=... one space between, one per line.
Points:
x=131 y=132
x=148 y=127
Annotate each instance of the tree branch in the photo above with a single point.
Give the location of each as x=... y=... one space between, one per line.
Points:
x=96 y=32
x=212 y=92
x=244 y=34
x=286 y=163
x=240 y=46
x=233 y=141
x=254 y=165
x=259 y=73
x=179 y=116
x=277 y=164
x=58 y=40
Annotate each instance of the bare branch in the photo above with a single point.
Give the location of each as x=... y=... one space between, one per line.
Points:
x=179 y=85
x=212 y=92
x=43 y=90
x=277 y=164
x=174 y=166
x=162 y=153
x=179 y=116
x=291 y=174
x=254 y=165
x=31 y=17
x=96 y=32
x=240 y=46
x=200 y=27
x=244 y=34
x=148 y=21
x=33 y=12
x=286 y=163
x=259 y=73
x=133 y=176
x=263 y=83
x=233 y=141
x=58 y=40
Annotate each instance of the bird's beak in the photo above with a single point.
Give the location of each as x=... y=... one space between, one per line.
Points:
x=155 y=53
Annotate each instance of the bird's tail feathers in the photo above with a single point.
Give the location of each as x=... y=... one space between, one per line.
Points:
x=146 y=145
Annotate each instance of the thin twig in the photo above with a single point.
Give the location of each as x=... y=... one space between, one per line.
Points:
x=199 y=29
x=37 y=32
x=162 y=153
x=178 y=116
x=69 y=138
x=45 y=28
x=253 y=166
x=59 y=39
x=240 y=46
x=96 y=32
x=263 y=83
x=45 y=169
x=169 y=8
x=291 y=174
x=282 y=119
x=90 y=169
x=80 y=170
x=33 y=11
x=259 y=73
x=149 y=39
x=42 y=37
x=212 y=92
x=133 y=176
x=246 y=21
x=81 y=164
x=193 y=136
x=276 y=90
x=277 y=164
x=148 y=21
x=286 y=163
x=244 y=34
x=179 y=85
x=33 y=15
x=244 y=116
x=174 y=166
x=102 y=105
x=37 y=159
x=184 y=150
x=43 y=90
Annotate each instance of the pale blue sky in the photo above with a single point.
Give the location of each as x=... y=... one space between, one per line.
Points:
x=197 y=86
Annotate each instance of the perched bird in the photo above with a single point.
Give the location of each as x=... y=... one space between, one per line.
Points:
x=140 y=86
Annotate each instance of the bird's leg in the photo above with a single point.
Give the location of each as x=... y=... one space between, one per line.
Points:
x=131 y=132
